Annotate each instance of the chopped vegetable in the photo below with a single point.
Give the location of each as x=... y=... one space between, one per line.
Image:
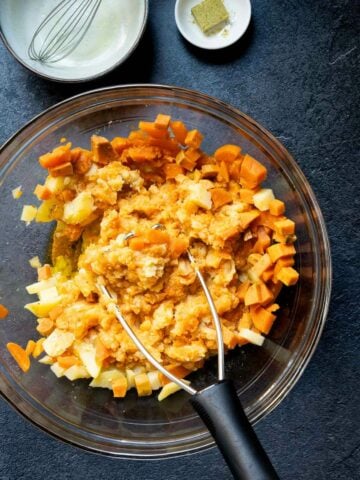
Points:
x=19 y=355
x=17 y=192
x=3 y=311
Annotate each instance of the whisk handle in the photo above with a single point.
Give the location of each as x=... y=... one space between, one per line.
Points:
x=220 y=409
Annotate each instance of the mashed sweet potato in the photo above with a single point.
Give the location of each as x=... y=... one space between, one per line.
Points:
x=212 y=204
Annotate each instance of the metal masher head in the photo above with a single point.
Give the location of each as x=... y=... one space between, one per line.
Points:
x=219 y=337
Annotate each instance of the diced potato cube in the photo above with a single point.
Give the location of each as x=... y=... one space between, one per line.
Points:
x=106 y=377
x=87 y=354
x=28 y=213
x=200 y=196
x=39 y=286
x=154 y=379
x=46 y=360
x=263 y=198
x=251 y=336
x=54 y=184
x=48 y=294
x=35 y=262
x=42 y=309
x=79 y=209
x=75 y=372
x=59 y=371
x=57 y=342
x=130 y=376
x=16 y=192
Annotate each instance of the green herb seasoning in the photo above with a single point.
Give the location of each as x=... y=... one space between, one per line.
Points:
x=210 y=15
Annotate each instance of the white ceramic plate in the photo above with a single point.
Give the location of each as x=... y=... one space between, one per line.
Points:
x=113 y=35
x=239 y=13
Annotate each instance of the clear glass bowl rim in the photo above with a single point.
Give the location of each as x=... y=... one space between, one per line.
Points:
x=71 y=434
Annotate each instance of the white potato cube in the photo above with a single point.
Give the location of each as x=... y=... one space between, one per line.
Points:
x=75 y=372
x=79 y=209
x=42 y=285
x=251 y=336
x=57 y=342
x=17 y=192
x=87 y=354
x=106 y=377
x=28 y=213
x=59 y=371
x=200 y=196
x=263 y=198
x=154 y=379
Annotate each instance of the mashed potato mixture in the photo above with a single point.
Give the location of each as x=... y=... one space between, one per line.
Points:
x=211 y=204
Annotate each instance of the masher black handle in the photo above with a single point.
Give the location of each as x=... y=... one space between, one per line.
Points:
x=221 y=410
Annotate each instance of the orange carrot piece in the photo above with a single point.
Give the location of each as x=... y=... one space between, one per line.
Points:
x=276 y=207
x=209 y=171
x=241 y=292
x=19 y=355
x=234 y=169
x=58 y=156
x=223 y=175
x=63 y=170
x=162 y=121
x=179 y=130
x=143 y=153
x=263 y=241
x=230 y=338
x=67 y=361
x=184 y=161
x=102 y=150
x=227 y=153
x=81 y=160
x=172 y=170
x=252 y=172
x=193 y=154
x=262 y=318
x=267 y=275
x=246 y=195
x=177 y=246
x=119 y=144
x=194 y=139
x=30 y=347
x=262 y=265
x=230 y=232
x=220 y=197
x=288 y=276
x=151 y=129
x=38 y=349
x=177 y=370
x=285 y=227
x=154 y=236
x=45 y=326
x=42 y=192
x=246 y=218
x=3 y=311
x=143 y=385
x=266 y=294
x=281 y=263
x=119 y=387
x=137 y=243
x=280 y=250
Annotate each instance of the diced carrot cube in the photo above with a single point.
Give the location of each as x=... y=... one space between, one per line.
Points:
x=3 y=311
x=67 y=361
x=172 y=170
x=283 y=262
x=241 y=292
x=58 y=156
x=209 y=171
x=137 y=243
x=280 y=250
x=252 y=172
x=220 y=197
x=101 y=352
x=154 y=236
x=285 y=227
x=103 y=152
x=276 y=207
x=178 y=246
x=262 y=318
x=246 y=195
x=162 y=121
x=288 y=276
x=252 y=296
x=30 y=347
x=151 y=129
x=246 y=218
x=194 y=139
x=63 y=170
x=177 y=370
x=227 y=153
x=179 y=130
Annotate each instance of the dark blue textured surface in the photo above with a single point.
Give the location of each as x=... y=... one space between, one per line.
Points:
x=296 y=72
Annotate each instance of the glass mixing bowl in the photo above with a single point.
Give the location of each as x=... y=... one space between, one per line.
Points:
x=143 y=427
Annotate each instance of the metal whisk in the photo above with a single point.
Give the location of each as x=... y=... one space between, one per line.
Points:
x=62 y=30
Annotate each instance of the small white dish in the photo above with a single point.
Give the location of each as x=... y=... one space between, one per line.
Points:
x=239 y=19
x=112 y=37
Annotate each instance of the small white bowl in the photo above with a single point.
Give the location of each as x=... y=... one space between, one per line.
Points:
x=112 y=37
x=239 y=19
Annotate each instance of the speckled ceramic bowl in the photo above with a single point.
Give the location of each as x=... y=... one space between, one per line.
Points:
x=143 y=427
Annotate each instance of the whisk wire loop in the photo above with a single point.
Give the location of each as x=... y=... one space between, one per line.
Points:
x=63 y=29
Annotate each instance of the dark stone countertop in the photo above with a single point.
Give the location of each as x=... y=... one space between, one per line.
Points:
x=296 y=72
